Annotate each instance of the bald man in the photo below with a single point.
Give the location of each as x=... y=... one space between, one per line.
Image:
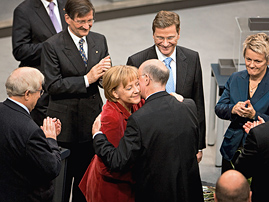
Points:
x=160 y=143
x=232 y=186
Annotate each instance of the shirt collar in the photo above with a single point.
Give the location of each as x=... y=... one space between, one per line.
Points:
x=75 y=37
x=46 y=3
x=161 y=56
x=20 y=104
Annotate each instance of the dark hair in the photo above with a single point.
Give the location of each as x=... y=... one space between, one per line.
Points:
x=78 y=8
x=165 y=19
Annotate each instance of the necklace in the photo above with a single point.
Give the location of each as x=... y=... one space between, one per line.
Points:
x=251 y=89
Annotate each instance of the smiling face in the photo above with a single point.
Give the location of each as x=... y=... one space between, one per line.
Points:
x=80 y=26
x=256 y=63
x=128 y=95
x=166 y=39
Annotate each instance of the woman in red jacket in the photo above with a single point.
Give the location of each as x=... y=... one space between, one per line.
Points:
x=121 y=88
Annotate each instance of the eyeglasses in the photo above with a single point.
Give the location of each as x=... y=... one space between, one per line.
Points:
x=83 y=22
x=161 y=39
x=41 y=91
x=145 y=75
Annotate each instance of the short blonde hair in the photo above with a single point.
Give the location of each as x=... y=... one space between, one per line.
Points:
x=23 y=79
x=259 y=43
x=116 y=75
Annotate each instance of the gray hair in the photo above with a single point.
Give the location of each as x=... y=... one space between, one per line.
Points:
x=23 y=79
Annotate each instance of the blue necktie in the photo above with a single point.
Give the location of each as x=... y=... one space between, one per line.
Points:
x=82 y=52
x=170 y=86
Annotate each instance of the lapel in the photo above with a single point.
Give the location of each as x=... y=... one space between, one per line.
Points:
x=91 y=51
x=152 y=53
x=43 y=15
x=242 y=86
x=262 y=89
x=62 y=12
x=119 y=108
x=72 y=53
x=182 y=65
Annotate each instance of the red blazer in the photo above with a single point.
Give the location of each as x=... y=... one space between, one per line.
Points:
x=98 y=183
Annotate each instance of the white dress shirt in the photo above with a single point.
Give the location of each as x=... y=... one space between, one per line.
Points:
x=173 y=64
x=55 y=10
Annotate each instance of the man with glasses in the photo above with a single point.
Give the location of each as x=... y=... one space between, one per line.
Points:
x=29 y=155
x=184 y=65
x=34 y=21
x=73 y=63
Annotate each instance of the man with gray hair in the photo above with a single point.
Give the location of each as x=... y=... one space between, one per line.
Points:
x=29 y=155
x=160 y=143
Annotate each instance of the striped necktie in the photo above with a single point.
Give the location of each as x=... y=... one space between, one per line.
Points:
x=82 y=52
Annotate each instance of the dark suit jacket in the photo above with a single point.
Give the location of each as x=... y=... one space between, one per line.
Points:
x=28 y=161
x=189 y=81
x=70 y=101
x=31 y=27
x=160 y=144
x=254 y=161
x=236 y=89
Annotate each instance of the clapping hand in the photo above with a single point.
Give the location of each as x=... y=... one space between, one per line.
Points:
x=249 y=125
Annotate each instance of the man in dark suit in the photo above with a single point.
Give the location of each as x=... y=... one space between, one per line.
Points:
x=185 y=64
x=254 y=159
x=29 y=155
x=73 y=62
x=31 y=27
x=160 y=143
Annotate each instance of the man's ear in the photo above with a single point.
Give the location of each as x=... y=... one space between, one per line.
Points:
x=67 y=18
x=27 y=95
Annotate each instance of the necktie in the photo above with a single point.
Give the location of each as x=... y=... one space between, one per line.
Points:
x=170 y=86
x=82 y=52
x=53 y=18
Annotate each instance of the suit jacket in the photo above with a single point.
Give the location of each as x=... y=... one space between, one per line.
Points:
x=236 y=89
x=70 y=101
x=110 y=186
x=254 y=161
x=189 y=81
x=161 y=146
x=31 y=27
x=28 y=160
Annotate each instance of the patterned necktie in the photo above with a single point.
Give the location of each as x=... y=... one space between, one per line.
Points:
x=170 y=86
x=82 y=52
x=53 y=18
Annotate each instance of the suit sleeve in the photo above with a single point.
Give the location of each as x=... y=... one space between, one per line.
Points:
x=224 y=107
x=23 y=48
x=56 y=83
x=122 y=157
x=44 y=155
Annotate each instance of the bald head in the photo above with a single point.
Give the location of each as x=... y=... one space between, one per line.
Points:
x=157 y=71
x=153 y=77
x=232 y=186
